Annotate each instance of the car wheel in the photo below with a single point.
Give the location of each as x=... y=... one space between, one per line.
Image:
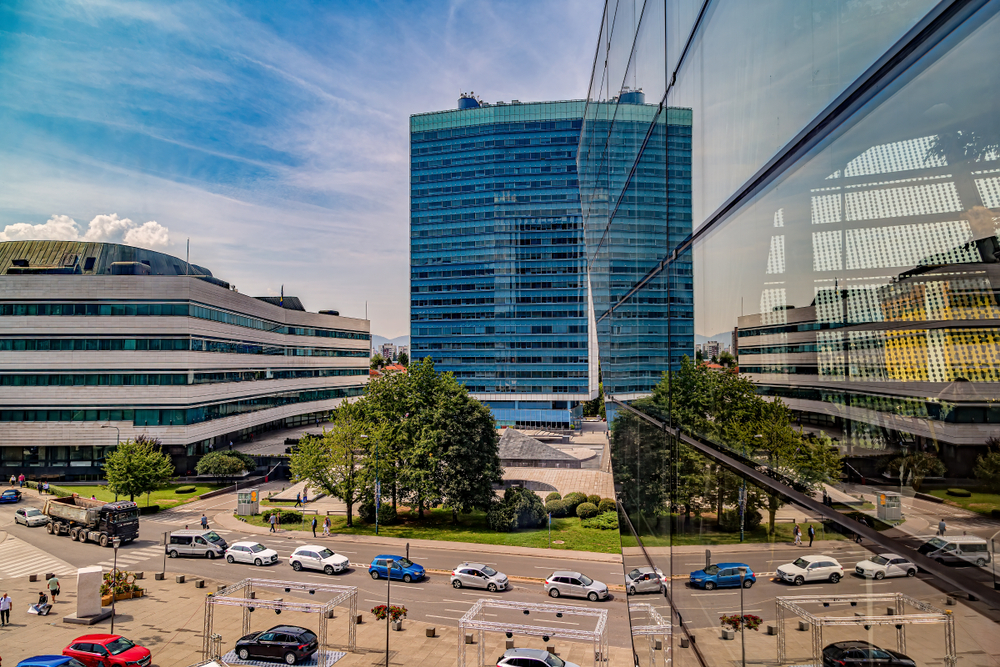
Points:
x=592 y=596
x=104 y=540
x=799 y=581
x=456 y=584
x=49 y=528
x=210 y=555
x=374 y=573
x=297 y=566
x=258 y=562
x=880 y=575
x=289 y=658
x=73 y=532
x=230 y=560
x=747 y=583
x=834 y=578
x=911 y=573
x=243 y=653
x=407 y=578
x=631 y=590
x=82 y=536
x=492 y=588
x=709 y=585
x=173 y=553
x=328 y=569
x=553 y=592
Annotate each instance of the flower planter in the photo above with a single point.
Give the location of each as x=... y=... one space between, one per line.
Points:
x=397 y=625
x=106 y=599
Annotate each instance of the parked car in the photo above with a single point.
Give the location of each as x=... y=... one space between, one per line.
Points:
x=955 y=549
x=30 y=517
x=644 y=580
x=107 y=651
x=811 y=568
x=531 y=657
x=50 y=661
x=574 y=584
x=314 y=557
x=886 y=565
x=722 y=575
x=861 y=653
x=477 y=575
x=10 y=496
x=403 y=569
x=288 y=643
x=251 y=552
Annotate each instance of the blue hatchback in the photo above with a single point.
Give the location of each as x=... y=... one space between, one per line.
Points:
x=50 y=661
x=723 y=575
x=10 y=496
x=402 y=569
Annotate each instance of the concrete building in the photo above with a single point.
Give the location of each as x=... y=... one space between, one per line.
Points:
x=518 y=450
x=96 y=335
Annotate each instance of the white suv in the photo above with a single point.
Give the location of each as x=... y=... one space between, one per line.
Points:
x=812 y=568
x=531 y=657
x=574 y=584
x=478 y=575
x=886 y=565
x=313 y=557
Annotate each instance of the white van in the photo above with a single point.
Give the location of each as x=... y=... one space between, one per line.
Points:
x=206 y=543
x=957 y=549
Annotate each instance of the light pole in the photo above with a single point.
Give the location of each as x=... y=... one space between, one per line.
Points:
x=388 y=616
x=116 y=542
x=743 y=633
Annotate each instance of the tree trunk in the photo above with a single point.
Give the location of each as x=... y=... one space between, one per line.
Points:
x=718 y=500
x=350 y=512
x=420 y=506
x=454 y=516
x=772 y=509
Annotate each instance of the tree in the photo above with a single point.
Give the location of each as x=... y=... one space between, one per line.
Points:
x=136 y=467
x=595 y=407
x=403 y=359
x=915 y=466
x=987 y=470
x=329 y=462
x=727 y=359
x=224 y=464
x=377 y=361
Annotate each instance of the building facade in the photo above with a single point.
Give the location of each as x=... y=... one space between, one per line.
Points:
x=498 y=280
x=96 y=335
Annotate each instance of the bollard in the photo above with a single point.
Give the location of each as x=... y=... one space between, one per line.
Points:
x=551 y=648
x=158 y=576
x=199 y=583
x=140 y=575
x=510 y=644
x=803 y=626
x=219 y=587
x=48 y=575
x=949 y=600
x=32 y=577
x=657 y=645
x=359 y=620
x=728 y=634
x=684 y=642
x=179 y=579
x=890 y=611
x=430 y=631
x=468 y=638
x=772 y=630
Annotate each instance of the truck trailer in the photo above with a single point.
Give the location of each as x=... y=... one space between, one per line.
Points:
x=85 y=519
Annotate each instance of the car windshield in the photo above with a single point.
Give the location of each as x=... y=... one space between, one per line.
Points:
x=879 y=560
x=937 y=542
x=404 y=562
x=33 y=512
x=119 y=645
x=801 y=562
x=712 y=569
x=585 y=580
x=326 y=553
x=212 y=536
x=257 y=548
x=634 y=573
x=554 y=660
x=489 y=571
x=877 y=654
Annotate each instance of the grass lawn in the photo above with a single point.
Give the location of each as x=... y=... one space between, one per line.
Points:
x=981 y=503
x=709 y=535
x=165 y=498
x=437 y=525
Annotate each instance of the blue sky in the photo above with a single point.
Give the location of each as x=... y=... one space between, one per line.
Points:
x=273 y=134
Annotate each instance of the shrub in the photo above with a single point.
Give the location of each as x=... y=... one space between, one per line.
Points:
x=553 y=496
x=386 y=514
x=500 y=517
x=730 y=521
x=607 y=505
x=572 y=500
x=556 y=507
x=185 y=489
x=604 y=521
x=284 y=516
x=520 y=508
x=959 y=493
x=586 y=510
x=594 y=499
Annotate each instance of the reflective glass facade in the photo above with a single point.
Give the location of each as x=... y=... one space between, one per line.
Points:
x=498 y=273
x=839 y=224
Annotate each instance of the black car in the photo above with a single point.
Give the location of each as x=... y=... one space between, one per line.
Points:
x=861 y=653
x=288 y=643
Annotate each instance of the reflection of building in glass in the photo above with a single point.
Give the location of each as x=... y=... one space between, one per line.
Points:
x=498 y=274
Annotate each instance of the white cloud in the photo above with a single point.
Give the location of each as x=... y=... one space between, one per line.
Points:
x=102 y=229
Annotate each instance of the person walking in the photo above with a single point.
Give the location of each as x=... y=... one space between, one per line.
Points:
x=941 y=527
x=797 y=534
x=53 y=588
x=298 y=500
x=812 y=534
x=20 y=479
x=314 y=526
x=326 y=527
x=305 y=496
x=12 y=480
x=204 y=522
x=5 y=604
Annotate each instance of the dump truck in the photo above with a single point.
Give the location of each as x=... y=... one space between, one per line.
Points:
x=89 y=520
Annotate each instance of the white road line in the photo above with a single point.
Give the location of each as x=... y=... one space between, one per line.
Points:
x=447 y=618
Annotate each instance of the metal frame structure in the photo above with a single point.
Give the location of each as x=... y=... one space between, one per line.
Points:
x=900 y=619
x=243 y=594
x=474 y=619
x=658 y=628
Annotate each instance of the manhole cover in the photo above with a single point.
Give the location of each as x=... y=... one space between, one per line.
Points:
x=558 y=542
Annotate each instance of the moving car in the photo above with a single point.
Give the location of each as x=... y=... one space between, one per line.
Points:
x=477 y=575
x=957 y=549
x=574 y=584
x=858 y=653
x=198 y=542
x=644 y=580
x=315 y=557
x=288 y=643
x=10 y=496
x=30 y=517
x=812 y=568
x=251 y=552
x=107 y=651
x=531 y=657
x=403 y=569
x=722 y=575
x=50 y=661
x=886 y=565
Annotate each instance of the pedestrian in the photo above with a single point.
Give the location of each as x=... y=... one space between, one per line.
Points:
x=20 y=479
x=298 y=500
x=12 y=480
x=314 y=526
x=305 y=496
x=204 y=522
x=273 y=519
x=812 y=534
x=5 y=604
x=326 y=527
x=797 y=534
x=46 y=487
x=941 y=527
x=93 y=497
x=53 y=588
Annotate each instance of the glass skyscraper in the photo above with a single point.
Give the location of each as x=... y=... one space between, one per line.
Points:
x=498 y=279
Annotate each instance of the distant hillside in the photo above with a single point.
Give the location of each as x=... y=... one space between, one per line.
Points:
x=379 y=341
x=726 y=338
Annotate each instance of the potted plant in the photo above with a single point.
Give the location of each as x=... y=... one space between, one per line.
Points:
x=395 y=613
x=736 y=623
x=120 y=587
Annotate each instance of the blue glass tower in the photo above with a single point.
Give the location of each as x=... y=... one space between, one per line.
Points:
x=498 y=275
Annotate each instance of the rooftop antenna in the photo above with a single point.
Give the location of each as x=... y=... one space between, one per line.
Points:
x=187 y=261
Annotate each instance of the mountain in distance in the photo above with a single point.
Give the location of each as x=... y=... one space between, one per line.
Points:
x=379 y=341
x=726 y=338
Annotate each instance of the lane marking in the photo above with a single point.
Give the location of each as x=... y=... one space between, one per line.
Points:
x=447 y=618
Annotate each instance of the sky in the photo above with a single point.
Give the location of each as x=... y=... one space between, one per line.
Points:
x=274 y=135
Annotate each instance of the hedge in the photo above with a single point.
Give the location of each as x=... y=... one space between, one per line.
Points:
x=572 y=500
x=594 y=499
x=586 y=510
x=556 y=507
x=553 y=496
x=284 y=516
x=603 y=521
x=959 y=493
x=185 y=489
x=607 y=505
x=730 y=521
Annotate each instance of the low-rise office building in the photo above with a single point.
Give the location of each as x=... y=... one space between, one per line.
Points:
x=102 y=341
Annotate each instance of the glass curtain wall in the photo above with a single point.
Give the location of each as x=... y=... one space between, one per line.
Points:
x=816 y=187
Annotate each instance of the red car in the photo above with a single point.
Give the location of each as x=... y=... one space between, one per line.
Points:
x=108 y=651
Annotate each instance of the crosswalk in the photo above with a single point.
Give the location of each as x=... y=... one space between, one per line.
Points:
x=128 y=557
x=19 y=559
x=179 y=517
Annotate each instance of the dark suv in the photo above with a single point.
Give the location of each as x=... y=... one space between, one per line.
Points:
x=863 y=654
x=288 y=643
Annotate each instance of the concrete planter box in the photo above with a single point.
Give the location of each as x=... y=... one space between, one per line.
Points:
x=106 y=599
x=729 y=634
x=397 y=625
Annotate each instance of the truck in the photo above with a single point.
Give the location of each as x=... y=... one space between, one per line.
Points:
x=90 y=520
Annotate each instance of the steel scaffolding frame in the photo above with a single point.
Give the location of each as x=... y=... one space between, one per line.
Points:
x=243 y=594
x=474 y=620
x=899 y=619
x=658 y=628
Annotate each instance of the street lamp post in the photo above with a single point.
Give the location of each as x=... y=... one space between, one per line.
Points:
x=743 y=629
x=116 y=542
x=388 y=616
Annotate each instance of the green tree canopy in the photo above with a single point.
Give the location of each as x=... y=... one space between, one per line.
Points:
x=403 y=359
x=136 y=467
x=223 y=464
x=377 y=361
